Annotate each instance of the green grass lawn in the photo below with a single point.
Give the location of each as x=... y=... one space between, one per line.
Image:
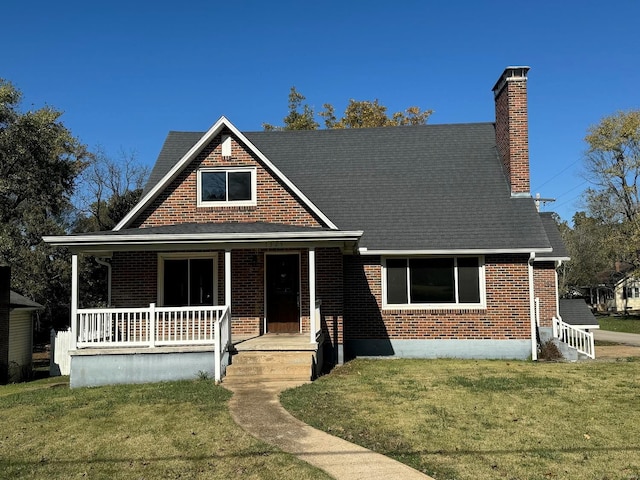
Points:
x=154 y=431
x=628 y=324
x=455 y=419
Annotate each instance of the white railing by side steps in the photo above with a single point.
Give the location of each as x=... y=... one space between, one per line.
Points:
x=156 y=326
x=577 y=338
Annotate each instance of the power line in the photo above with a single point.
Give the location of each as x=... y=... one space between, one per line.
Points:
x=572 y=189
x=557 y=175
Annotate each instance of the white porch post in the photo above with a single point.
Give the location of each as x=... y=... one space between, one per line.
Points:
x=312 y=295
x=227 y=280
x=74 y=301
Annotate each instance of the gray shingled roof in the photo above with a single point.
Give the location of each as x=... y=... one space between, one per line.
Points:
x=575 y=311
x=433 y=187
x=553 y=234
x=18 y=301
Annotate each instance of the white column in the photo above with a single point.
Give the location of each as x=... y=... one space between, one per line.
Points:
x=312 y=295
x=74 y=301
x=227 y=280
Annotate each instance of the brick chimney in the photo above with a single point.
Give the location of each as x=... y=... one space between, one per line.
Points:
x=512 y=128
x=5 y=301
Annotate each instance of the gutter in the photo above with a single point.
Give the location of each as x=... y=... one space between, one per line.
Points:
x=162 y=238
x=532 y=308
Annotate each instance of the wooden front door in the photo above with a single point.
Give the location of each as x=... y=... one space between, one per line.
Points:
x=283 y=293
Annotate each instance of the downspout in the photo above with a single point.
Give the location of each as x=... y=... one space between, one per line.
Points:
x=532 y=309
x=558 y=265
x=100 y=261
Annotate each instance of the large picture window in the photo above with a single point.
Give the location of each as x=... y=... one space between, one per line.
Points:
x=187 y=282
x=434 y=281
x=226 y=187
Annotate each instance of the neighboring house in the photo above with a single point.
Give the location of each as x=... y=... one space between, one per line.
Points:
x=627 y=294
x=16 y=332
x=417 y=241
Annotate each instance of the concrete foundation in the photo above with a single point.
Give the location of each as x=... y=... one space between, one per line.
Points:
x=94 y=367
x=472 y=349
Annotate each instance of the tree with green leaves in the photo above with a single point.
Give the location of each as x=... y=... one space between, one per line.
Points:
x=358 y=114
x=593 y=258
x=39 y=162
x=612 y=163
x=300 y=117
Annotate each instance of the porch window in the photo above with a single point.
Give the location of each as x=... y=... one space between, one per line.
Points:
x=219 y=187
x=188 y=282
x=438 y=281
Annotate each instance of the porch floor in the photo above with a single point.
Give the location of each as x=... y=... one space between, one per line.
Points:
x=278 y=342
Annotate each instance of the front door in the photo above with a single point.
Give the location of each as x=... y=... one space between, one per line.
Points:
x=283 y=293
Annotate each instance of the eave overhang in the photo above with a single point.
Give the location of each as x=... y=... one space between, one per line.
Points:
x=92 y=243
x=552 y=259
x=459 y=251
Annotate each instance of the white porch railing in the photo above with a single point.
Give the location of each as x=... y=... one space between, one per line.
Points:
x=577 y=338
x=156 y=326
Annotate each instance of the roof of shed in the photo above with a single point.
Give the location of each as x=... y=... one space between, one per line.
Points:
x=575 y=311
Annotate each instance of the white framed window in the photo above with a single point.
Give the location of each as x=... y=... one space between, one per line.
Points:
x=226 y=186
x=632 y=292
x=187 y=279
x=433 y=282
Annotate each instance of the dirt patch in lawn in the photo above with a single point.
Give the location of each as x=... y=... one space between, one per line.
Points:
x=613 y=352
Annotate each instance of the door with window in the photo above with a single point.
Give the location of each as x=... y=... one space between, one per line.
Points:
x=283 y=293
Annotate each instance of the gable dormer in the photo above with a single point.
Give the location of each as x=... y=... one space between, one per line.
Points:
x=219 y=177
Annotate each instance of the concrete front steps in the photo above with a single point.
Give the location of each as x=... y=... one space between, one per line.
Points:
x=257 y=367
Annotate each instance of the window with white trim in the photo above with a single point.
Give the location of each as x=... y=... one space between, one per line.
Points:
x=230 y=186
x=187 y=281
x=631 y=292
x=433 y=281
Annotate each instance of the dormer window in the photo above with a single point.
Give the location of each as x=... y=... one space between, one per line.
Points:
x=229 y=186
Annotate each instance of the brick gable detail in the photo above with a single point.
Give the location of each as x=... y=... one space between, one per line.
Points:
x=178 y=202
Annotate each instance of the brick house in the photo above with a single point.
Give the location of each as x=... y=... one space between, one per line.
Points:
x=417 y=241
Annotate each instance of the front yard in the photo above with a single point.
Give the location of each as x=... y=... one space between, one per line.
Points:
x=458 y=419
x=452 y=419
x=154 y=431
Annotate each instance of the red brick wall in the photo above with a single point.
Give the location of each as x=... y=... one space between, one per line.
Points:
x=329 y=289
x=512 y=133
x=544 y=281
x=178 y=203
x=247 y=291
x=507 y=315
x=133 y=279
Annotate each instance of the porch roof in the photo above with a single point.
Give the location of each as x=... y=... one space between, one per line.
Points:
x=197 y=235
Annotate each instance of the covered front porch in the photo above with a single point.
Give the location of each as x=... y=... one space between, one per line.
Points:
x=232 y=291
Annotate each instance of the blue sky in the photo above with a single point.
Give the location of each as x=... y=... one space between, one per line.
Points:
x=127 y=72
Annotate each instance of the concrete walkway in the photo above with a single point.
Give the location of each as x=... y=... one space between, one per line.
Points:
x=257 y=409
x=618 y=337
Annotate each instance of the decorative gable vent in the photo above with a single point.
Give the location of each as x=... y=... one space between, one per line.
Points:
x=226 y=145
